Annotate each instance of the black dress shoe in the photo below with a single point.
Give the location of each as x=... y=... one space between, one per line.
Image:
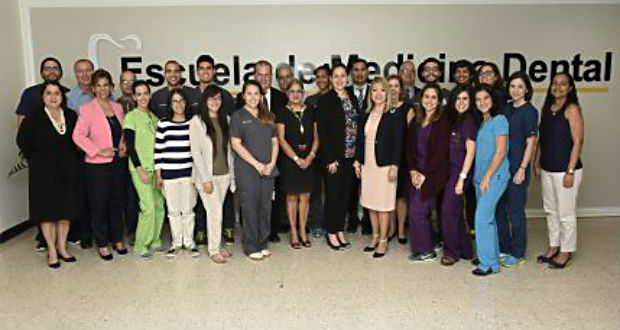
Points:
x=54 y=265
x=106 y=257
x=274 y=238
x=402 y=241
x=378 y=255
x=67 y=259
x=480 y=272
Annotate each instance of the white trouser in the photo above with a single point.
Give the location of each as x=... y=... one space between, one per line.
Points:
x=560 y=204
x=214 y=204
x=181 y=198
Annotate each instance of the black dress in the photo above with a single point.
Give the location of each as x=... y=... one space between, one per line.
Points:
x=294 y=179
x=52 y=166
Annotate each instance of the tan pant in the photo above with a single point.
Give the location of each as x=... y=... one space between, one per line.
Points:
x=181 y=198
x=560 y=204
x=214 y=204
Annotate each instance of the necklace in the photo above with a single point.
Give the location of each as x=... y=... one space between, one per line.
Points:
x=299 y=115
x=59 y=125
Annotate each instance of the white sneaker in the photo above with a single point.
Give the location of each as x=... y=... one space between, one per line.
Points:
x=265 y=253
x=256 y=256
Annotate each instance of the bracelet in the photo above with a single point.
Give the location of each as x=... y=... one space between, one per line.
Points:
x=296 y=158
x=463 y=175
x=569 y=173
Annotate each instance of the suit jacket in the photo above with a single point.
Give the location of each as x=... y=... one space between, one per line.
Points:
x=436 y=165
x=351 y=91
x=331 y=126
x=278 y=100
x=92 y=131
x=388 y=140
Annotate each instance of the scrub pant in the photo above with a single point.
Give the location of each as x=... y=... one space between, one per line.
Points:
x=255 y=194
x=337 y=193
x=456 y=240
x=214 y=204
x=181 y=198
x=420 y=227
x=151 y=218
x=487 y=244
x=511 y=221
x=105 y=200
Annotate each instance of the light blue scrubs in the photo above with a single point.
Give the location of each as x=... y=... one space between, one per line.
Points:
x=486 y=227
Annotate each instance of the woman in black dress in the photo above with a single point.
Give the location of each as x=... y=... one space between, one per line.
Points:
x=44 y=139
x=299 y=142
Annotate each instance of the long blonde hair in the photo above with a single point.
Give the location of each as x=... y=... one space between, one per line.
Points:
x=383 y=82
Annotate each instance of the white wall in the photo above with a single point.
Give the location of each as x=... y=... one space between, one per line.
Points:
x=13 y=193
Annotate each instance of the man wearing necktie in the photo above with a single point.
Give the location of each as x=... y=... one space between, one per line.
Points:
x=407 y=74
x=275 y=101
x=359 y=88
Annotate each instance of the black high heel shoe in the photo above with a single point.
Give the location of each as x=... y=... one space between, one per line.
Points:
x=380 y=254
x=402 y=241
x=542 y=259
x=106 y=257
x=370 y=248
x=345 y=245
x=67 y=259
x=121 y=252
x=334 y=247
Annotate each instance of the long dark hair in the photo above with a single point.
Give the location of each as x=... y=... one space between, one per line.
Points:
x=454 y=117
x=421 y=113
x=170 y=112
x=571 y=98
x=265 y=116
x=210 y=92
x=489 y=90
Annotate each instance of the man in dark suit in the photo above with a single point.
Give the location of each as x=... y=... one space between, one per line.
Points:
x=407 y=74
x=275 y=101
x=361 y=90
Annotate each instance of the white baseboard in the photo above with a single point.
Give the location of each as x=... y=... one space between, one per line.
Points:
x=582 y=212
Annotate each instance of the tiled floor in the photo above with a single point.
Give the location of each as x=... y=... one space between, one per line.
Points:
x=313 y=288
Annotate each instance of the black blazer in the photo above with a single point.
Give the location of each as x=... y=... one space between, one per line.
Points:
x=331 y=126
x=388 y=140
x=278 y=100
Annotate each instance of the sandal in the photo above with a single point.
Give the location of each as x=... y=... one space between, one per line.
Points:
x=225 y=253
x=217 y=258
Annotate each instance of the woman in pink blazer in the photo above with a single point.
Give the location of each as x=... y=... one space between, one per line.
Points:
x=99 y=133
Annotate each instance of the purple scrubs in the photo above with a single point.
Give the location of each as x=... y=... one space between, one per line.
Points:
x=457 y=243
x=420 y=229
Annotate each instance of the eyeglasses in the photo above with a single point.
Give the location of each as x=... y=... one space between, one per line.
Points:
x=488 y=74
x=51 y=68
x=295 y=91
x=431 y=70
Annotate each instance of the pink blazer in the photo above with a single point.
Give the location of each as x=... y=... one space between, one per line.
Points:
x=92 y=131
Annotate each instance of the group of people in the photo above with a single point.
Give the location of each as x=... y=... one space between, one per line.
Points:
x=303 y=164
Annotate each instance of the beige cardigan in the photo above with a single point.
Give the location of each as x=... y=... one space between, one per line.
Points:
x=202 y=153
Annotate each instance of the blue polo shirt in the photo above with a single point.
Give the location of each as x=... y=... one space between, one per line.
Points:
x=522 y=123
x=77 y=98
x=485 y=148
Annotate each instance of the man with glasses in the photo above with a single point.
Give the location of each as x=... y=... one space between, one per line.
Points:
x=159 y=99
x=30 y=101
x=205 y=65
x=432 y=72
x=126 y=85
x=407 y=75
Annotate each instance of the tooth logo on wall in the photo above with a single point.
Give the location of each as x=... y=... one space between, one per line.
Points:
x=97 y=38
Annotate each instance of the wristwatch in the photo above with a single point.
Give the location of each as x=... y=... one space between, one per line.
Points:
x=463 y=176
x=570 y=171
x=296 y=158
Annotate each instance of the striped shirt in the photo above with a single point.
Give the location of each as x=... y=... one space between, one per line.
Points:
x=173 y=156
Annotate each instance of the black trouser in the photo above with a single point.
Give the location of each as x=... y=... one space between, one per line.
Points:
x=229 y=211
x=279 y=218
x=315 y=214
x=353 y=208
x=200 y=216
x=132 y=208
x=337 y=194
x=470 y=205
x=105 y=192
x=81 y=228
